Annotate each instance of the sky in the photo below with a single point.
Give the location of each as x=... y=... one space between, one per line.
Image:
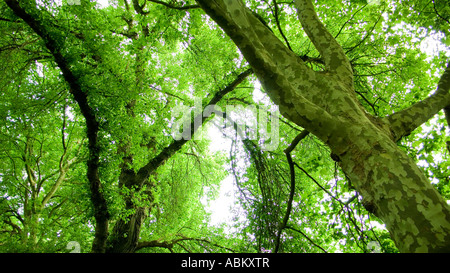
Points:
x=223 y=209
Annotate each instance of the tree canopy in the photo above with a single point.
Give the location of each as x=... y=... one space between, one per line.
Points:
x=90 y=93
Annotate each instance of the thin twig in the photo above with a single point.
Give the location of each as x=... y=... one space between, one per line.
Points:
x=351 y=18
x=437 y=13
x=366 y=36
x=279 y=25
x=309 y=239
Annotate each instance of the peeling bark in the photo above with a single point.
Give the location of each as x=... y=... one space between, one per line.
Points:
x=325 y=104
x=404 y=122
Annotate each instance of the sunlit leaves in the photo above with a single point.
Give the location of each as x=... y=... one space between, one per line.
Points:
x=136 y=67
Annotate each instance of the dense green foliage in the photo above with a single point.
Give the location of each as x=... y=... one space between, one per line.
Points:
x=137 y=64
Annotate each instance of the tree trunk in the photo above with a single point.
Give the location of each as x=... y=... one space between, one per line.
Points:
x=125 y=234
x=396 y=191
x=50 y=39
x=325 y=104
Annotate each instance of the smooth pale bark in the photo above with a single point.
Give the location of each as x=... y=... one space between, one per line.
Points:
x=35 y=198
x=324 y=103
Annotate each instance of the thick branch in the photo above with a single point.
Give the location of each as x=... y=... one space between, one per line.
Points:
x=284 y=76
x=138 y=8
x=154 y=243
x=407 y=120
x=170 y=150
x=334 y=56
x=54 y=188
x=170 y=244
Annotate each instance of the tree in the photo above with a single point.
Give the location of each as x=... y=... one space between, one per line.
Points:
x=325 y=104
x=37 y=153
x=140 y=145
x=125 y=68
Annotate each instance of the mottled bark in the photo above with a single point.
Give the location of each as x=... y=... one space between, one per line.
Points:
x=404 y=122
x=397 y=191
x=324 y=103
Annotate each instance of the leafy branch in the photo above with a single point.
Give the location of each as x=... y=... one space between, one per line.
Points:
x=438 y=14
x=178 y=242
x=176 y=145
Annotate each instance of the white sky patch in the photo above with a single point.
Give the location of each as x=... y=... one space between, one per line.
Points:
x=258 y=95
x=39 y=69
x=104 y=3
x=224 y=207
x=218 y=141
x=432 y=45
x=376 y=224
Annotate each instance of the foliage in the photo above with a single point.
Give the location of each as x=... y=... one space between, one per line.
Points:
x=163 y=57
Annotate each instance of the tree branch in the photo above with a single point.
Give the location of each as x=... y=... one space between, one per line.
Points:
x=334 y=56
x=438 y=14
x=100 y=207
x=138 y=8
x=288 y=151
x=170 y=150
x=279 y=25
x=309 y=239
x=175 y=7
x=351 y=18
x=286 y=82
x=170 y=244
x=366 y=36
x=407 y=120
x=318 y=184
x=154 y=243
